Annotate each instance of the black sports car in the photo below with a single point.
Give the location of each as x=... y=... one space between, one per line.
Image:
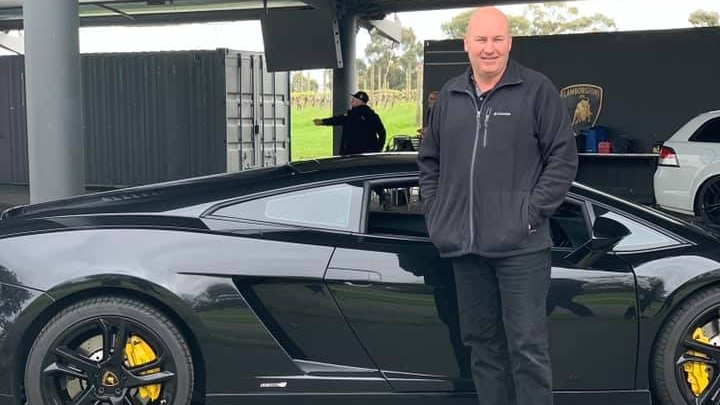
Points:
x=315 y=282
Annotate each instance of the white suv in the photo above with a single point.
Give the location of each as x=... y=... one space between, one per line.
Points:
x=687 y=178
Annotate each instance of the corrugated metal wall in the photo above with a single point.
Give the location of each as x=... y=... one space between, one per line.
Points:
x=153 y=116
x=159 y=116
x=13 y=128
x=258 y=113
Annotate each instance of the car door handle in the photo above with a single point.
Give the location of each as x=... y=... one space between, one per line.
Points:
x=356 y=284
x=357 y=278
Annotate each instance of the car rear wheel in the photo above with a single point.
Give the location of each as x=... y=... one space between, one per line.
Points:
x=109 y=351
x=709 y=201
x=687 y=353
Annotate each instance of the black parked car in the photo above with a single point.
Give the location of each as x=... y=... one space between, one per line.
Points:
x=316 y=282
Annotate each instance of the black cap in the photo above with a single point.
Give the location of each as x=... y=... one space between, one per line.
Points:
x=362 y=96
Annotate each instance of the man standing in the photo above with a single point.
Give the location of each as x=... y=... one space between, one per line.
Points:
x=363 y=131
x=431 y=99
x=496 y=161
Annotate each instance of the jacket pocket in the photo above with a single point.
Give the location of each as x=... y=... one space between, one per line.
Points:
x=430 y=205
x=447 y=223
x=427 y=210
x=502 y=221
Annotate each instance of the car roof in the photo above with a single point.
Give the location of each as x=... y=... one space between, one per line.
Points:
x=178 y=194
x=159 y=197
x=687 y=130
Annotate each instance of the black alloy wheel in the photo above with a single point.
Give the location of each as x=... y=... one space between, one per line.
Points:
x=709 y=201
x=687 y=353
x=109 y=351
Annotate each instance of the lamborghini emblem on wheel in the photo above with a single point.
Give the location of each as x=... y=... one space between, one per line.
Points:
x=109 y=379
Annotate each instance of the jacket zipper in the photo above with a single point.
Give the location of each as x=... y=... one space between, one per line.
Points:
x=478 y=116
x=485 y=127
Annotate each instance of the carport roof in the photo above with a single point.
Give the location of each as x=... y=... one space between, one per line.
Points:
x=146 y=12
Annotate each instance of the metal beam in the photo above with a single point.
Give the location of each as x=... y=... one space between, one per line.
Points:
x=387 y=29
x=56 y=150
x=345 y=78
x=11 y=43
x=161 y=19
x=397 y=6
x=322 y=4
x=178 y=18
x=116 y=11
x=11 y=15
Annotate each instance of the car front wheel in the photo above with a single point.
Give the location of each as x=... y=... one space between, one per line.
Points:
x=109 y=350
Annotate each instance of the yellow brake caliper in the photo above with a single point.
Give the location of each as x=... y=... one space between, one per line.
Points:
x=698 y=374
x=138 y=352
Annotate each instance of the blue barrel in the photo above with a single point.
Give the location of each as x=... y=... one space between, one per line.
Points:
x=593 y=136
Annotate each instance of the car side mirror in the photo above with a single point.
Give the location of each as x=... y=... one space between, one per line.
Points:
x=607 y=233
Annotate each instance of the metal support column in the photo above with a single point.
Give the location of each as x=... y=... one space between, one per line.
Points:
x=56 y=150
x=345 y=79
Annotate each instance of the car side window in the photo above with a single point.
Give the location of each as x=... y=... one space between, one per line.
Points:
x=641 y=237
x=568 y=225
x=396 y=209
x=335 y=207
x=708 y=132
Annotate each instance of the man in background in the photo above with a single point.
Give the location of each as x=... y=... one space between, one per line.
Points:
x=432 y=98
x=363 y=130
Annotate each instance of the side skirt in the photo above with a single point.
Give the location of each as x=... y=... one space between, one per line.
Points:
x=626 y=397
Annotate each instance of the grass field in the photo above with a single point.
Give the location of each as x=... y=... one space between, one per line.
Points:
x=310 y=141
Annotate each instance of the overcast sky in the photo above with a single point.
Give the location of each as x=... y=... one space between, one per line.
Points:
x=247 y=35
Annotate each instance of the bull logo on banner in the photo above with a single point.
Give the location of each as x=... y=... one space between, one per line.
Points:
x=584 y=102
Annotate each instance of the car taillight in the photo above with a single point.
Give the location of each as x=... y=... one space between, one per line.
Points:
x=667 y=157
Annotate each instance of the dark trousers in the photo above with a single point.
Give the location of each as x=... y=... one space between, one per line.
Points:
x=503 y=320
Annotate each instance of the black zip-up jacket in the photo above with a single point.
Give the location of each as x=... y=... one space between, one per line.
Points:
x=363 y=131
x=493 y=172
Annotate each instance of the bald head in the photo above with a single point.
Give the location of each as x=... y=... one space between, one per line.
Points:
x=487 y=43
x=488 y=17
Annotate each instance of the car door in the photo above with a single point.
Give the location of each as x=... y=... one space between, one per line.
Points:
x=279 y=246
x=399 y=297
x=591 y=309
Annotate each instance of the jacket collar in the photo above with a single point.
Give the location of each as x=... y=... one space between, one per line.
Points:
x=362 y=107
x=512 y=75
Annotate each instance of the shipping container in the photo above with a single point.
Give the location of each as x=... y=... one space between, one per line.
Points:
x=258 y=113
x=158 y=116
x=13 y=126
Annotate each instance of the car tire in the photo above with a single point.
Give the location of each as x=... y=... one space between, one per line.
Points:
x=669 y=385
x=75 y=358
x=708 y=201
